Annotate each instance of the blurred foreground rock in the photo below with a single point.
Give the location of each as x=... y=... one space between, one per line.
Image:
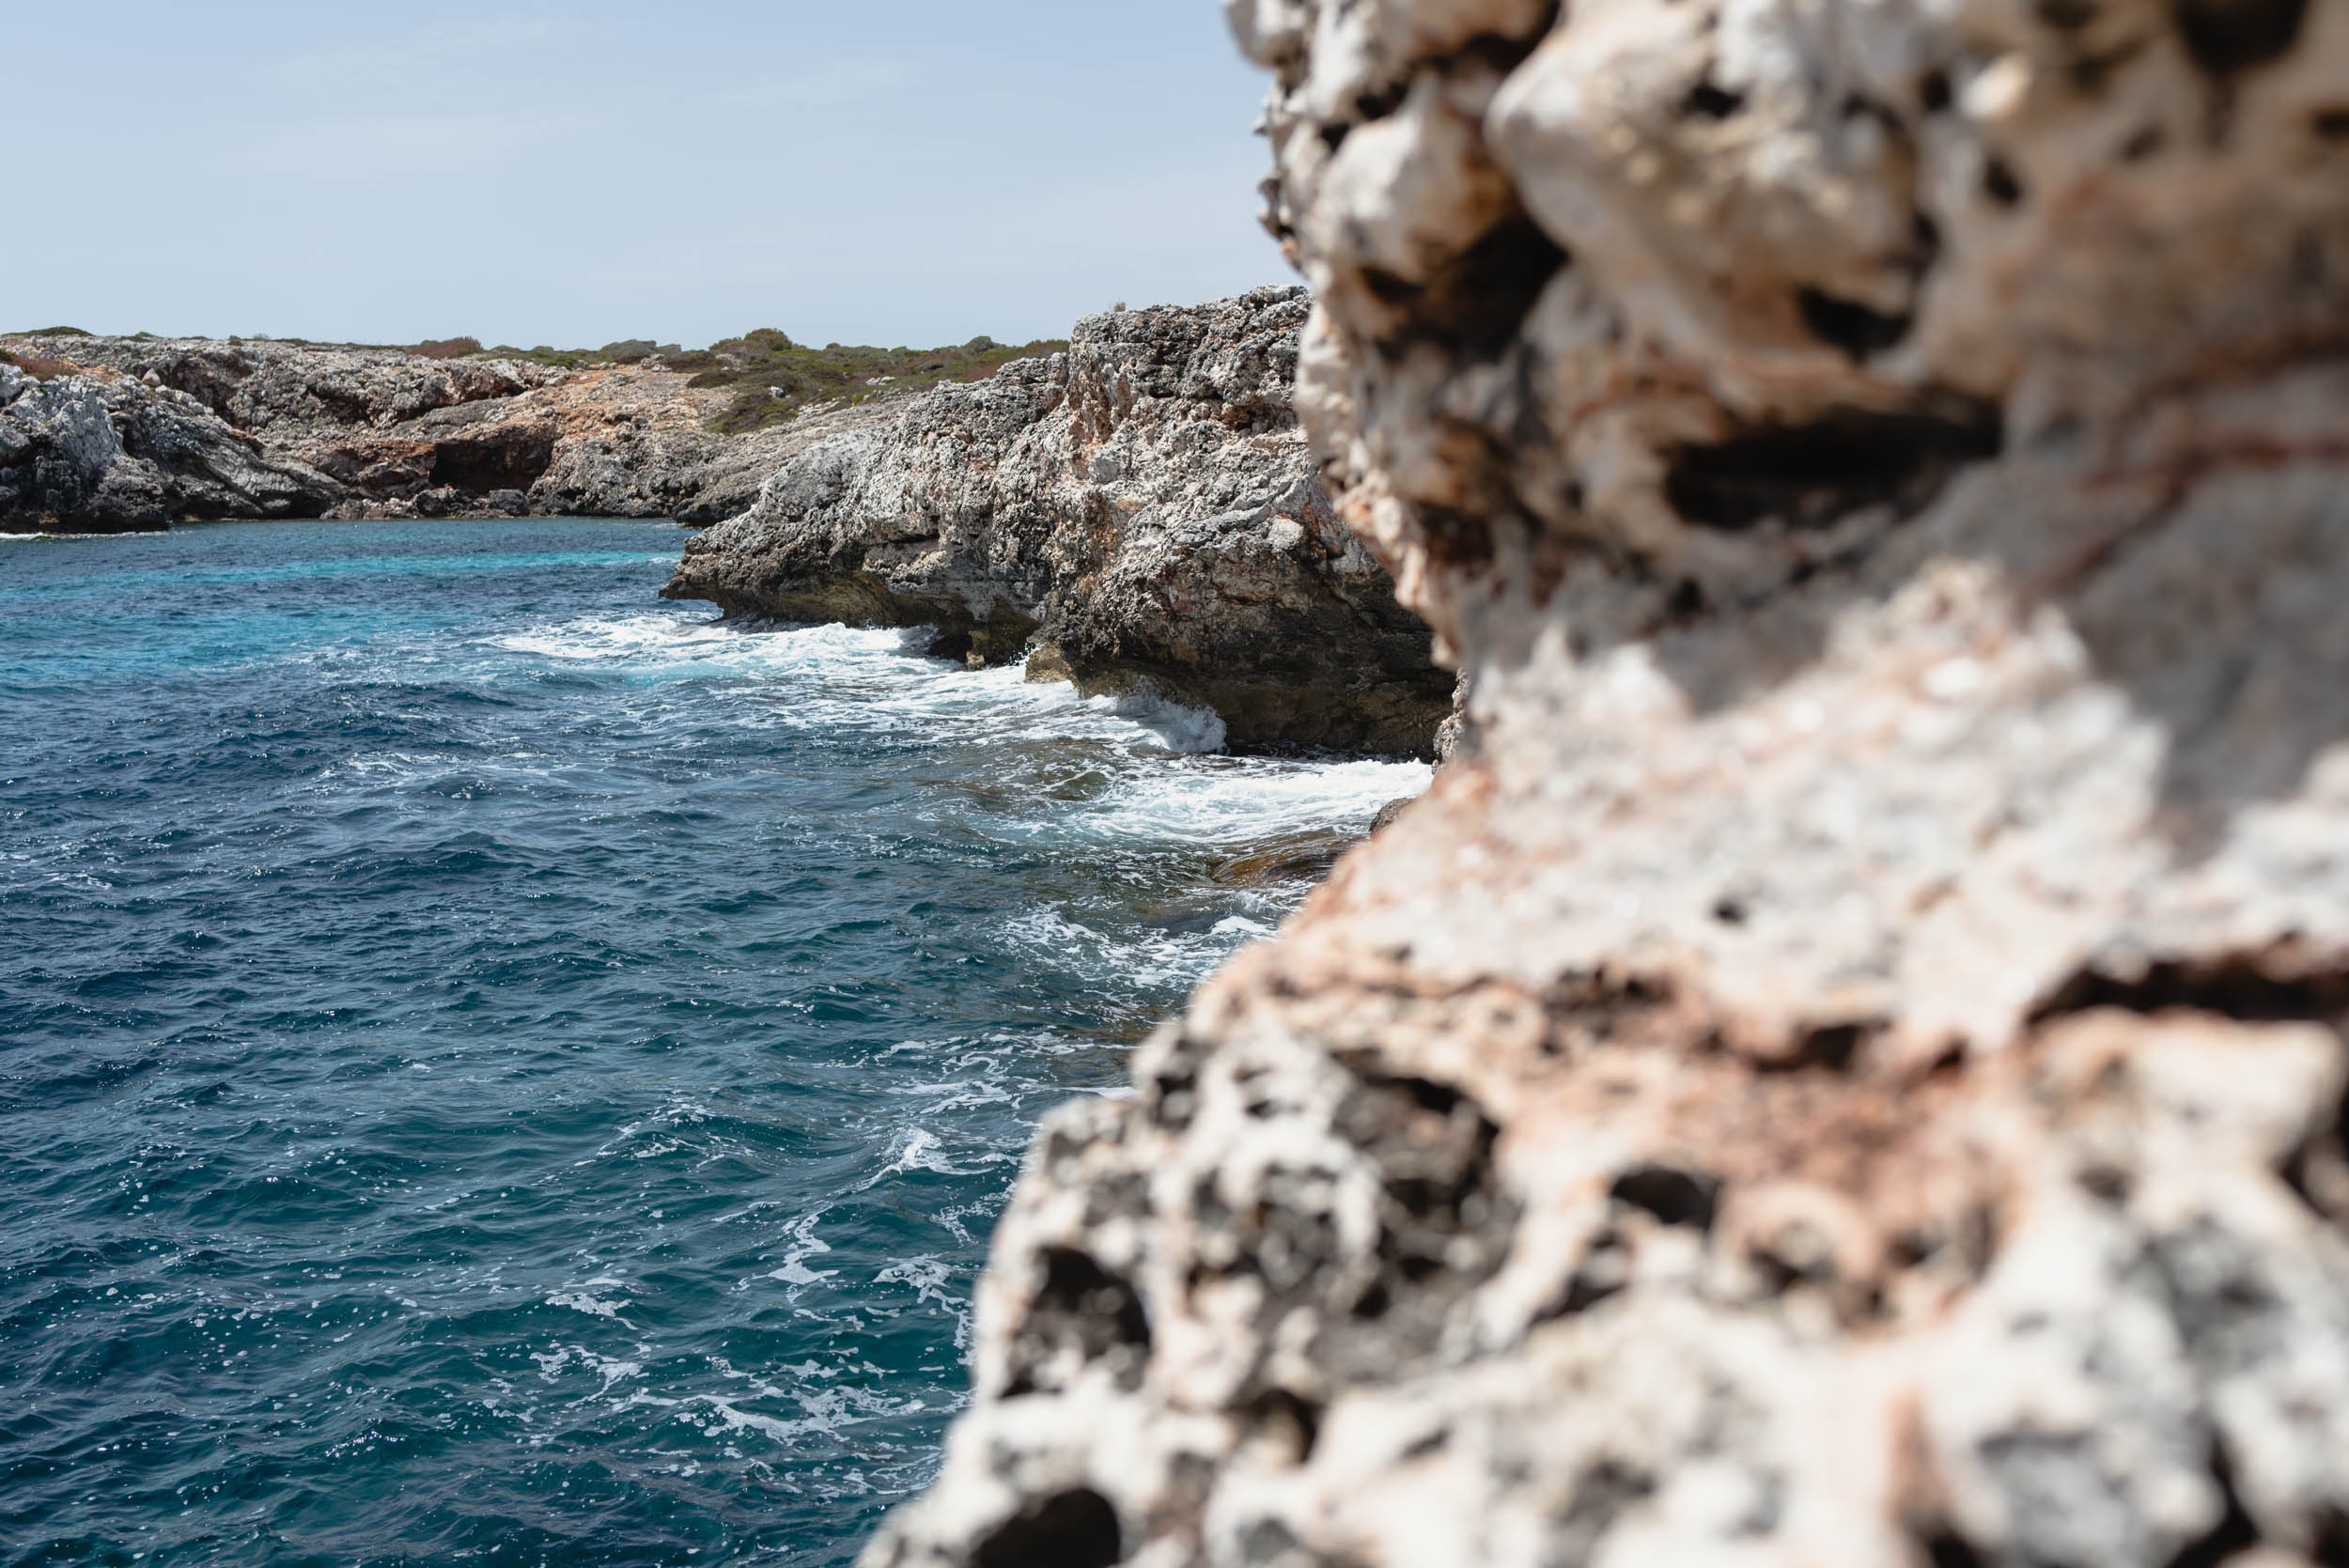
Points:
x=1848 y=1067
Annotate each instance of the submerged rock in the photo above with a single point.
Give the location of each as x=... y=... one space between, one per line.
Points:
x=1143 y=511
x=1846 y=1067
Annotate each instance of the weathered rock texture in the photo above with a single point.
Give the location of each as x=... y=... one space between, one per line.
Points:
x=1851 y=1070
x=106 y=453
x=142 y=432
x=1141 y=509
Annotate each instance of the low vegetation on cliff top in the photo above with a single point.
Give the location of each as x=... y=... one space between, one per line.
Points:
x=771 y=378
x=40 y=367
x=774 y=377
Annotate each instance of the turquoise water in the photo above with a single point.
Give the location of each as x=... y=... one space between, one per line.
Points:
x=496 y=1069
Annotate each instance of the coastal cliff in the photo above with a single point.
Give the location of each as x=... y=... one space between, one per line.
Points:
x=106 y=433
x=1850 y=1070
x=1143 y=511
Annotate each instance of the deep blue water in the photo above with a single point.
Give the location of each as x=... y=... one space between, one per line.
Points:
x=497 y=1069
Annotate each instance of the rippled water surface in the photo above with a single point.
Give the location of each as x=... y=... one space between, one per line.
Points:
x=497 y=1069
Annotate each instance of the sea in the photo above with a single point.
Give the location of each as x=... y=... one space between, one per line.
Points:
x=499 y=1069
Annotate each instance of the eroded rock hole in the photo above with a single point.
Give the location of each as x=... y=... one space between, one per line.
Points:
x=1999 y=185
x=498 y=459
x=1378 y=105
x=2330 y=125
x=2065 y=16
x=1444 y=1223
x=1946 y=1548
x=2234 y=1532
x=1071 y=1529
x=2332 y=1539
x=1829 y=1047
x=1809 y=475
x=2228 y=36
x=1082 y=1314
x=2233 y=985
x=1455 y=538
x=1707 y=101
x=1478 y=305
x=1673 y=1195
x=1859 y=330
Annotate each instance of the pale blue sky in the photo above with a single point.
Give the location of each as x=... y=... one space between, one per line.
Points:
x=908 y=172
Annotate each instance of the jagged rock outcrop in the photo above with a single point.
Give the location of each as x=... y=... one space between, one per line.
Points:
x=82 y=453
x=1850 y=1071
x=349 y=432
x=1143 y=508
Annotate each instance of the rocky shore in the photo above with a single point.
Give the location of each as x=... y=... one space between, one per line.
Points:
x=1141 y=511
x=99 y=434
x=1139 y=514
x=1850 y=1071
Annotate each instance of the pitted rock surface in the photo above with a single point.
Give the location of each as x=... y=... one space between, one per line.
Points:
x=1141 y=510
x=1847 y=1068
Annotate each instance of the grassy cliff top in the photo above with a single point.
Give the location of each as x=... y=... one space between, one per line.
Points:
x=771 y=378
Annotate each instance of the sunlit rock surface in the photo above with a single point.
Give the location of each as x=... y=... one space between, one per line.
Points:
x=1847 y=1068
x=142 y=432
x=1143 y=511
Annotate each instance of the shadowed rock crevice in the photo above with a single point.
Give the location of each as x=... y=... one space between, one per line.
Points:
x=1476 y=305
x=1675 y=1197
x=1443 y=1224
x=2230 y=36
x=1811 y=475
x=1081 y=1315
x=1071 y=1529
x=2270 y=987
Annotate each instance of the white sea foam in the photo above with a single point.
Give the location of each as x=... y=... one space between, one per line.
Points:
x=919 y=1149
x=931 y=1281
x=804 y=1244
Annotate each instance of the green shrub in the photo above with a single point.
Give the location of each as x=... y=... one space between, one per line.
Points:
x=448 y=347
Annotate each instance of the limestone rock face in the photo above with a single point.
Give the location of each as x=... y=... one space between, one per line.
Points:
x=1144 y=506
x=106 y=454
x=1847 y=1068
x=383 y=433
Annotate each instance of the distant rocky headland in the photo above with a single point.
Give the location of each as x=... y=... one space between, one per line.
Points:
x=101 y=434
x=1134 y=509
x=1139 y=511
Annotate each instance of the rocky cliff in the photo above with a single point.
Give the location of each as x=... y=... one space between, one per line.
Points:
x=1142 y=510
x=1851 y=1071
x=109 y=433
